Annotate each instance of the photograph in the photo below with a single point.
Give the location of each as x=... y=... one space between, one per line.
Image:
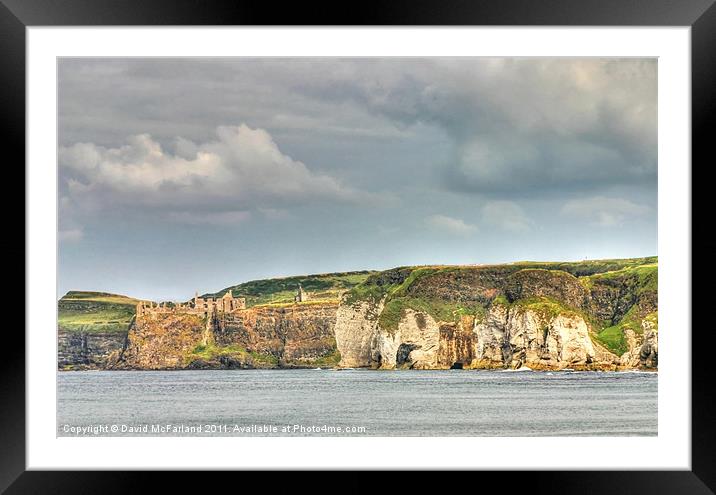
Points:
x=426 y=246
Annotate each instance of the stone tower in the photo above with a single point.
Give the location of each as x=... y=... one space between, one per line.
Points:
x=301 y=295
x=227 y=302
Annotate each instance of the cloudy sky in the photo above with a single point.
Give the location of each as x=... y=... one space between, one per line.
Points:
x=178 y=175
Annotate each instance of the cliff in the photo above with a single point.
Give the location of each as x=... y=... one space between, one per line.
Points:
x=98 y=330
x=92 y=329
x=584 y=315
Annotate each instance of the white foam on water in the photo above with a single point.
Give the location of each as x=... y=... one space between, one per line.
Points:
x=523 y=368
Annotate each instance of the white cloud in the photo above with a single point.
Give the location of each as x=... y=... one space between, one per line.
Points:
x=603 y=211
x=70 y=235
x=243 y=168
x=449 y=224
x=506 y=215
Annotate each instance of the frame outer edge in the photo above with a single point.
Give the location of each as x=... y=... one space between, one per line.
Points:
x=12 y=137
x=368 y=12
x=12 y=366
x=703 y=118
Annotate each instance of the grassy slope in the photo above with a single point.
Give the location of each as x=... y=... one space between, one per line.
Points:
x=101 y=311
x=613 y=338
x=644 y=279
x=322 y=287
x=212 y=352
x=95 y=312
x=374 y=287
x=398 y=299
x=590 y=267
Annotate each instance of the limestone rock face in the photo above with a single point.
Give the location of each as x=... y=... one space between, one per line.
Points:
x=503 y=339
x=643 y=349
x=604 y=358
x=492 y=339
x=415 y=343
x=649 y=351
x=568 y=340
x=355 y=331
x=458 y=343
x=524 y=337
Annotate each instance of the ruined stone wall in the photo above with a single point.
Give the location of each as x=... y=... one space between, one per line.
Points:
x=198 y=306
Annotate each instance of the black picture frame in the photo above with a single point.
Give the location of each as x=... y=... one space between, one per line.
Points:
x=700 y=15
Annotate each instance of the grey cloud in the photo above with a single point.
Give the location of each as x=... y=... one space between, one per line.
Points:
x=522 y=123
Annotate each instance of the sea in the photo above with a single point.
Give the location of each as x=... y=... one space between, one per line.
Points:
x=356 y=402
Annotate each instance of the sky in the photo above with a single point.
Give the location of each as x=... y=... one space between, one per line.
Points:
x=179 y=175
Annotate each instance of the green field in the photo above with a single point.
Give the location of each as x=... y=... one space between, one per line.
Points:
x=95 y=312
x=278 y=291
x=645 y=276
x=591 y=267
x=613 y=337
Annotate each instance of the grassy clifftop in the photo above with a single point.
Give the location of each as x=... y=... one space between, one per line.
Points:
x=95 y=312
x=322 y=287
x=81 y=311
x=590 y=267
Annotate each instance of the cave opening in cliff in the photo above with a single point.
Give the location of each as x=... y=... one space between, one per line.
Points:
x=456 y=366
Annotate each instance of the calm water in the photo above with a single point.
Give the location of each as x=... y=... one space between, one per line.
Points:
x=381 y=403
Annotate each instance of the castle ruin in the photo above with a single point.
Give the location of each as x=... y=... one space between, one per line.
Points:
x=225 y=304
x=198 y=305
